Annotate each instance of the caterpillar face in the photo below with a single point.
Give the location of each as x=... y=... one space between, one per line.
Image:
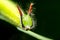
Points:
x=27 y=22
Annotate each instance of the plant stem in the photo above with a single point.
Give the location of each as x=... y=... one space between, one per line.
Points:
x=35 y=35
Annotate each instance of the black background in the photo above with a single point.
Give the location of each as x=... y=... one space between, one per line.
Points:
x=47 y=13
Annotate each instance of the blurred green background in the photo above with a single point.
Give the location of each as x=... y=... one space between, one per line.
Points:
x=47 y=13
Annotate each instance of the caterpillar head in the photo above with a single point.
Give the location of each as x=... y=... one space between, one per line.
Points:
x=27 y=22
x=26 y=19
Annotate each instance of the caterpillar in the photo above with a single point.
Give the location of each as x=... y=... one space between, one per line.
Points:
x=14 y=14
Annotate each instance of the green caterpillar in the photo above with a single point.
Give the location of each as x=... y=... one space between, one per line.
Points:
x=15 y=15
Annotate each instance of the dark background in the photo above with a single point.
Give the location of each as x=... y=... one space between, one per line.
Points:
x=47 y=13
